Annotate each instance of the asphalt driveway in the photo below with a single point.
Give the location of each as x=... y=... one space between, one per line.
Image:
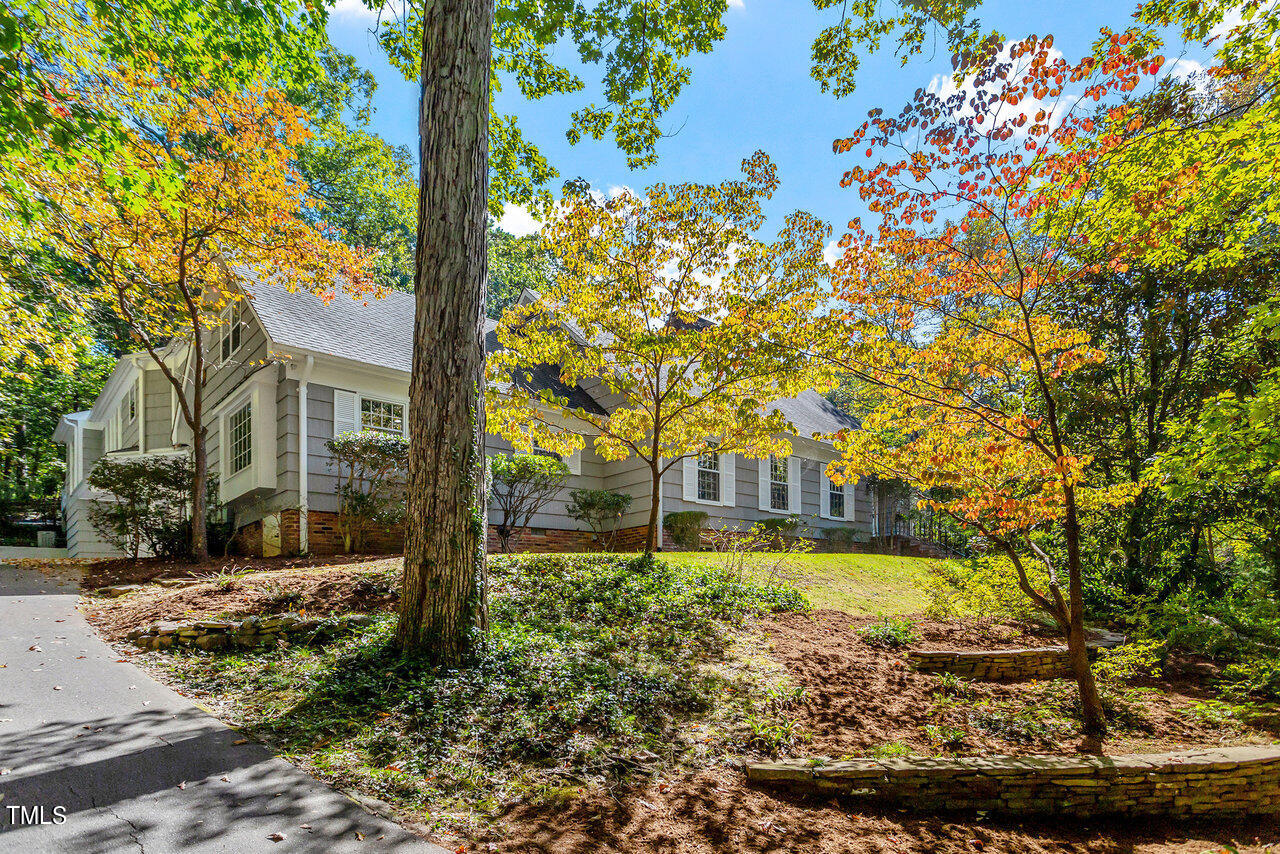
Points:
x=97 y=758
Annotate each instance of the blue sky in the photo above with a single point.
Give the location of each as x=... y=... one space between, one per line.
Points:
x=753 y=92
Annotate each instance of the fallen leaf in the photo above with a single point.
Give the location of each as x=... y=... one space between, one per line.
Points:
x=57 y=687
x=276 y=837
x=225 y=780
x=241 y=741
x=182 y=785
x=34 y=648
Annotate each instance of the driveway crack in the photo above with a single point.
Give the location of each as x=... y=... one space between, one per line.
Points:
x=135 y=832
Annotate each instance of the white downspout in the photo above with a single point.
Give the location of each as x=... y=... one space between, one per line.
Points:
x=303 y=463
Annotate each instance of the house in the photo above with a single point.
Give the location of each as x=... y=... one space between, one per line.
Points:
x=293 y=371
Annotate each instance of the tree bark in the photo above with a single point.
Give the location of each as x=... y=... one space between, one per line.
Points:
x=1095 y=719
x=651 y=535
x=200 y=456
x=442 y=596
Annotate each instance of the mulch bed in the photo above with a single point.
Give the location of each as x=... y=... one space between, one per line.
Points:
x=715 y=812
x=313 y=590
x=104 y=573
x=858 y=697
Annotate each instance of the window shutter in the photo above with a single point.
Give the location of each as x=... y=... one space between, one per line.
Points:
x=824 y=494
x=346 y=405
x=690 y=478
x=728 y=480
x=793 y=485
x=764 y=482
x=850 y=496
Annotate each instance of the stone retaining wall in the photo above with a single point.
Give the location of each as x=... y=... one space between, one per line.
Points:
x=1007 y=665
x=249 y=632
x=1232 y=780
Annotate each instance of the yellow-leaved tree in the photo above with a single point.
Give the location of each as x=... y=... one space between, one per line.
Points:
x=687 y=321
x=201 y=194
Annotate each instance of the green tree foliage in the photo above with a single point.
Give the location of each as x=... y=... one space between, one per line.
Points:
x=522 y=485
x=31 y=463
x=685 y=527
x=371 y=467
x=515 y=263
x=601 y=510
x=149 y=503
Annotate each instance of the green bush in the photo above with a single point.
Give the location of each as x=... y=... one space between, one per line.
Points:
x=889 y=633
x=781 y=531
x=842 y=539
x=601 y=510
x=373 y=468
x=686 y=527
x=149 y=504
x=522 y=485
x=980 y=588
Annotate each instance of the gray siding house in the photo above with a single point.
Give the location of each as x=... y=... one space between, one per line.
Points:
x=293 y=371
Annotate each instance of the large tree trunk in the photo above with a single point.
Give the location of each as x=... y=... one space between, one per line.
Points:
x=199 y=457
x=442 y=597
x=1095 y=719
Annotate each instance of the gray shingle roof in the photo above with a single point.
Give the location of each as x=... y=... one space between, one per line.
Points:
x=373 y=331
x=812 y=413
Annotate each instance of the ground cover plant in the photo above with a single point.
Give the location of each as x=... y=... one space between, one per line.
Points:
x=595 y=668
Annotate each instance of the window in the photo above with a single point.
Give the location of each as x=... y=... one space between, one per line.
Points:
x=709 y=477
x=131 y=403
x=240 y=439
x=232 y=332
x=836 y=498
x=778 y=484
x=381 y=415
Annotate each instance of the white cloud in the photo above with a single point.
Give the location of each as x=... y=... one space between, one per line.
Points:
x=736 y=4
x=944 y=86
x=616 y=190
x=517 y=220
x=355 y=10
x=1232 y=19
x=831 y=253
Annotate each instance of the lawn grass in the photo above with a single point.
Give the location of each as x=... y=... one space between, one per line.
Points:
x=859 y=584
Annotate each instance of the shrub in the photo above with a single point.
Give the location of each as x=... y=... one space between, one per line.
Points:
x=781 y=531
x=981 y=588
x=601 y=510
x=686 y=527
x=149 y=504
x=889 y=633
x=522 y=485
x=372 y=470
x=842 y=539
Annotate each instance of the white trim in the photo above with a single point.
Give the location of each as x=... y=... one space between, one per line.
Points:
x=793 y=486
x=690 y=472
x=304 y=462
x=259 y=390
x=729 y=480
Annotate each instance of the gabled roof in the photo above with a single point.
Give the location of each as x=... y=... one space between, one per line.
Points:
x=810 y=413
x=373 y=332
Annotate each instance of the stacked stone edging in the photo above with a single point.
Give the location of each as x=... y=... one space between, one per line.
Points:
x=1232 y=780
x=1006 y=665
x=249 y=632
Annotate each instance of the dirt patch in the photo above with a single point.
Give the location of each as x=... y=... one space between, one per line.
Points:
x=859 y=699
x=366 y=588
x=715 y=811
x=103 y=573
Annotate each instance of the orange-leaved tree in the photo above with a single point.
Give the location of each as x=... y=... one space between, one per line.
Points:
x=201 y=195
x=945 y=306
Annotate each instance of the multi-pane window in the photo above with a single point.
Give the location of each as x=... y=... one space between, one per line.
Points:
x=779 y=491
x=709 y=477
x=382 y=415
x=232 y=332
x=240 y=439
x=131 y=403
x=836 y=493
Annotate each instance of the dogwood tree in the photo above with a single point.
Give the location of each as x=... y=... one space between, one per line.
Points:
x=210 y=196
x=686 y=317
x=945 y=300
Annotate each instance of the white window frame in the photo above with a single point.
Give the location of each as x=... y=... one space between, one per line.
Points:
x=245 y=411
x=728 y=481
x=704 y=468
x=231 y=336
x=793 y=492
x=847 y=493
x=378 y=401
